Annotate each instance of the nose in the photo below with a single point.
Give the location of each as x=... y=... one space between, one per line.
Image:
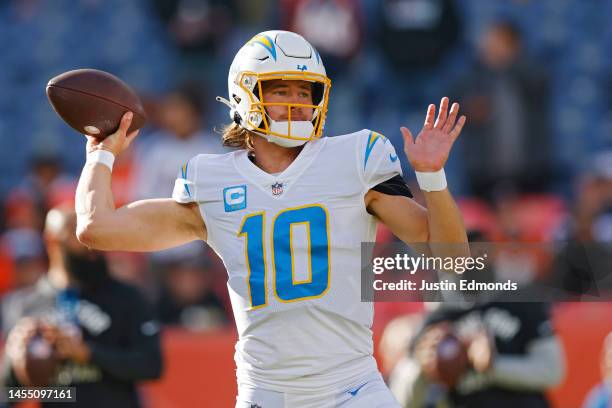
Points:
x=298 y=112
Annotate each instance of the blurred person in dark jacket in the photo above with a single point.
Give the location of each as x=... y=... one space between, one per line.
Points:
x=102 y=329
x=582 y=265
x=199 y=29
x=336 y=28
x=188 y=299
x=416 y=34
x=506 y=97
x=513 y=352
x=45 y=179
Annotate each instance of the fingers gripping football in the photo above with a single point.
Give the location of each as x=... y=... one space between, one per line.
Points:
x=116 y=142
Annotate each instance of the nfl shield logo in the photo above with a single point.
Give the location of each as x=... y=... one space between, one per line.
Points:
x=277 y=188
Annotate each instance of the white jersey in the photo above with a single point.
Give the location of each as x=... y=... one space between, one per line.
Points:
x=291 y=243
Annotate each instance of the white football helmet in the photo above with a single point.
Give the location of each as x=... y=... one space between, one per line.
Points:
x=277 y=55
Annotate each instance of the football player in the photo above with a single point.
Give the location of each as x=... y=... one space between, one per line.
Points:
x=287 y=213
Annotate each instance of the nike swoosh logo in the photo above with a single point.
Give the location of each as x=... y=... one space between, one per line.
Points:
x=392 y=158
x=356 y=390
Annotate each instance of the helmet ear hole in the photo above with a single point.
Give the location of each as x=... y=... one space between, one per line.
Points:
x=317 y=93
x=237 y=118
x=258 y=90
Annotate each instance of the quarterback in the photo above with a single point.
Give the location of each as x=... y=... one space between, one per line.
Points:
x=287 y=212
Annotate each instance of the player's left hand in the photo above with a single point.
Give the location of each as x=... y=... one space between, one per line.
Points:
x=430 y=150
x=68 y=345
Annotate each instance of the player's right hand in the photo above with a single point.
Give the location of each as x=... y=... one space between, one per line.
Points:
x=16 y=346
x=19 y=336
x=118 y=141
x=425 y=351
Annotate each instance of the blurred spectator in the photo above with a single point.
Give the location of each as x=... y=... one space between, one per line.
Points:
x=25 y=247
x=401 y=72
x=505 y=97
x=199 y=28
x=514 y=357
x=416 y=34
x=257 y=15
x=188 y=299
x=601 y=395
x=593 y=202
x=21 y=210
x=583 y=263
x=529 y=217
x=45 y=186
x=101 y=330
x=132 y=268
x=46 y=180
x=161 y=156
x=334 y=27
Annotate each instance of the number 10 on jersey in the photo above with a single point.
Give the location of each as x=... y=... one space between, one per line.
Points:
x=286 y=287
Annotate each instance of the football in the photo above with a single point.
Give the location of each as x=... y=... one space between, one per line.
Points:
x=92 y=102
x=42 y=362
x=452 y=359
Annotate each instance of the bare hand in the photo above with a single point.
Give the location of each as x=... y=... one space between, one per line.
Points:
x=68 y=345
x=481 y=351
x=118 y=141
x=16 y=347
x=430 y=150
x=426 y=350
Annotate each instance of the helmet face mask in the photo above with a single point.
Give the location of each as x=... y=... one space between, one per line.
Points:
x=259 y=121
x=277 y=55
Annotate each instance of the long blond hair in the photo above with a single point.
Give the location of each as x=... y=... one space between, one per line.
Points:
x=234 y=135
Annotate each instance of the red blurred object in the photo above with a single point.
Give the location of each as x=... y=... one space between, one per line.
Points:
x=7 y=271
x=478 y=216
x=582 y=328
x=199 y=371
x=538 y=216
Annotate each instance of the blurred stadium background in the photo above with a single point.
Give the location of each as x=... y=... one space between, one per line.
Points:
x=534 y=164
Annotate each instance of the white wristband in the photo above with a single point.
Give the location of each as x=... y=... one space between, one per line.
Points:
x=431 y=181
x=102 y=156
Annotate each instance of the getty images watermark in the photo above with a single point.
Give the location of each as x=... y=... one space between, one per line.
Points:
x=413 y=264
x=485 y=271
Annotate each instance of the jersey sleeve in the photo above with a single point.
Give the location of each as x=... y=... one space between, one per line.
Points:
x=185 y=185
x=377 y=159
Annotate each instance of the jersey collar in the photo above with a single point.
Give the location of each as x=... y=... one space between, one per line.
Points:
x=287 y=177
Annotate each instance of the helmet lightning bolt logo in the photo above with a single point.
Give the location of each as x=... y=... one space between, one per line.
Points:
x=265 y=42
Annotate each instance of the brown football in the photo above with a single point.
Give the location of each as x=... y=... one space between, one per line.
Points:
x=92 y=102
x=452 y=359
x=42 y=362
